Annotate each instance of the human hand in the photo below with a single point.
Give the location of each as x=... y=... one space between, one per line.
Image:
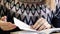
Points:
x=6 y=26
x=41 y=24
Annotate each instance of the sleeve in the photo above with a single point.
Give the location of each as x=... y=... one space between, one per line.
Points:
x=56 y=18
x=6 y=12
x=2 y=13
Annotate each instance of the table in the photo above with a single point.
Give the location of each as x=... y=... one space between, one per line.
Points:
x=47 y=31
x=24 y=32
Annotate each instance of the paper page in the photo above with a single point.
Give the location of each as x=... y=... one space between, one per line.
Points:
x=22 y=25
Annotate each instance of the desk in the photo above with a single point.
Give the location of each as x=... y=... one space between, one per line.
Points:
x=24 y=32
x=56 y=33
x=47 y=31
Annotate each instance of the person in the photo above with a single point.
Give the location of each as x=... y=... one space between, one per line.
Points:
x=36 y=14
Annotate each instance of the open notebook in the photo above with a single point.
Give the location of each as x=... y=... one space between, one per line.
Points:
x=22 y=25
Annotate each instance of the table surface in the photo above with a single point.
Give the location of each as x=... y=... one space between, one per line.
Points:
x=47 y=31
x=24 y=32
x=56 y=33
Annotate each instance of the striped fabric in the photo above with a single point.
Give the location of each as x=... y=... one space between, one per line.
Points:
x=28 y=13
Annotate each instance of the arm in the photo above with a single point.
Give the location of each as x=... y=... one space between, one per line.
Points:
x=9 y=17
x=56 y=18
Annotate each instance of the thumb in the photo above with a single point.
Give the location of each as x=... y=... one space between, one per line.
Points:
x=4 y=18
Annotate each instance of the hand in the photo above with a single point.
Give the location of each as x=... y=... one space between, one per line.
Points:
x=6 y=26
x=41 y=24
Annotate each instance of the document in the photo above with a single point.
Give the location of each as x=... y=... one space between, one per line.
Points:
x=22 y=25
x=26 y=27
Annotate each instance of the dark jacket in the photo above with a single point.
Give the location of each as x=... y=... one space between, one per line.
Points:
x=56 y=18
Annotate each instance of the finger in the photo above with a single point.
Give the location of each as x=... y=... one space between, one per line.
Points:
x=39 y=25
x=7 y=28
x=11 y=25
x=42 y=25
x=4 y=18
x=38 y=22
x=47 y=26
x=2 y=23
x=5 y=23
x=41 y=28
